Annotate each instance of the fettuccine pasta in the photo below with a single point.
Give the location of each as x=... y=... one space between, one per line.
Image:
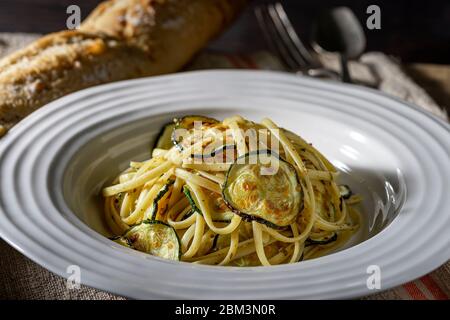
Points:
x=231 y=193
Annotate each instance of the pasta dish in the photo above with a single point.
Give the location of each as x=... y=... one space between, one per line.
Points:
x=231 y=193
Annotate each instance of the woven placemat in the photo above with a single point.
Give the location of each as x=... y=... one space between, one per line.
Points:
x=21 y=278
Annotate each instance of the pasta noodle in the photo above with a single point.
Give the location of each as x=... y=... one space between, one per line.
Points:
x=229 y=211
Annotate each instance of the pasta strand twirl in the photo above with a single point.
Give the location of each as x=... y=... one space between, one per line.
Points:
x=223 y=203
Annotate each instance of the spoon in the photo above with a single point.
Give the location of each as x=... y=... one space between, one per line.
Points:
x=338 y=30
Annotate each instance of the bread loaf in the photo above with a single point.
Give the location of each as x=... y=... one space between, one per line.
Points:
x=121 y=39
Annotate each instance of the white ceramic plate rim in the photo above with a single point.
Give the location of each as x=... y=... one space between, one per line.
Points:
x=336 y=287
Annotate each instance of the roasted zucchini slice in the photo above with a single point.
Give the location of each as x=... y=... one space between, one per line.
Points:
x=188 y=193
x=219 y=210
x=122 y=241
x=345 y=191
x=222 y=154
x=159 y=206
x=153 y=237
x=264 y=188
x=321 y=241
x=164 y=139
x=186 y=124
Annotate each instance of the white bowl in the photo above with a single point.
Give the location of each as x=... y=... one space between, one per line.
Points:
x=55 y=162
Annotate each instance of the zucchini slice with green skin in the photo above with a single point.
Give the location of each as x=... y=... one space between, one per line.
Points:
x=223 y=154
x=156 y=238
x=266 y=191
x=122 y=241
x=188 y=193
x=321 y=241
x=164 y=139
x=345 y=191
x=219 y=210
x=185 y=124
x=159 y=206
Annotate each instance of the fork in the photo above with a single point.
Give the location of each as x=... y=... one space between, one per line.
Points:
x=284 y=41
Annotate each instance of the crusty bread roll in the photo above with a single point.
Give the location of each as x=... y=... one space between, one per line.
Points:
x=61 y=63
x=121 y=39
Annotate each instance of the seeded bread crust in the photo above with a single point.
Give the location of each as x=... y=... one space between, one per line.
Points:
x=121 y=39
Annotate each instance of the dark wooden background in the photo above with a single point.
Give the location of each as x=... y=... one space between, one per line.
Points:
x=415 y=31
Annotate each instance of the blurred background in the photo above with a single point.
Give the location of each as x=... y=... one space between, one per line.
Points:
x=415 y=32
x=412 y=30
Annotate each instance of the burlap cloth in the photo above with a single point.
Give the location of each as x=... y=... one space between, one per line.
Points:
x=20 y=278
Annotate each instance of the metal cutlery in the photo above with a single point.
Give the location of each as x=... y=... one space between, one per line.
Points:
x=285 y=42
